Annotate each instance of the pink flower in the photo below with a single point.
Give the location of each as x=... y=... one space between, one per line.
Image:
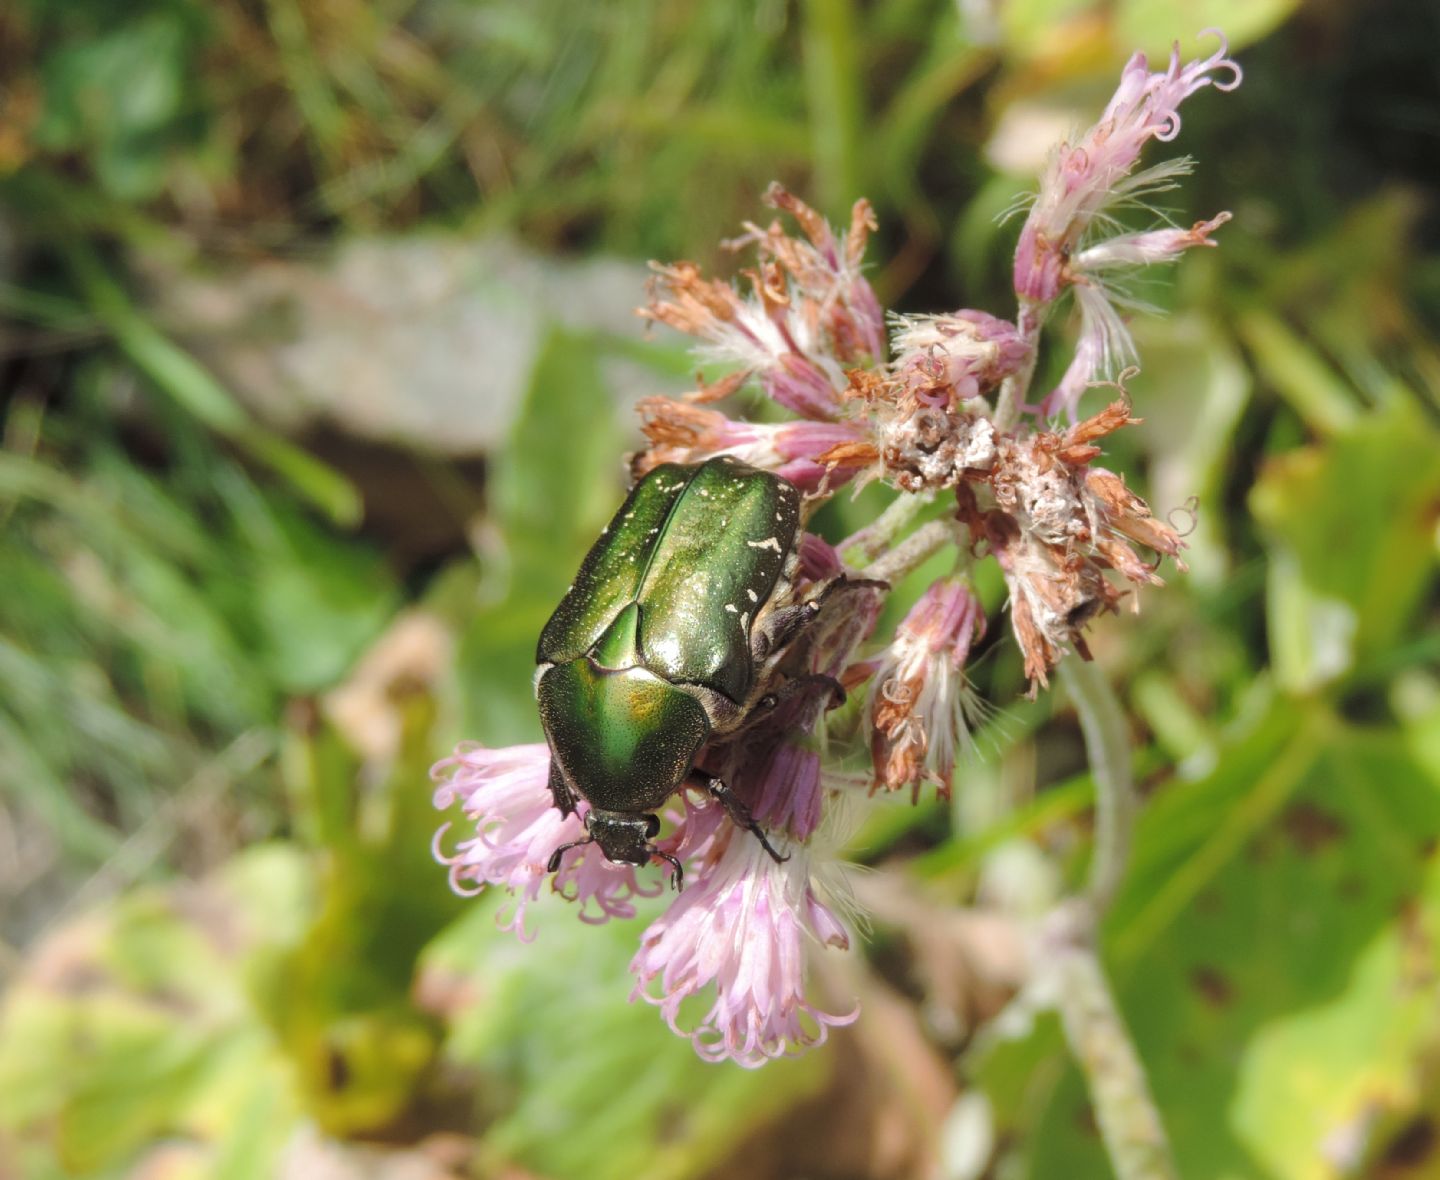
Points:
x=1083 y=181
x=743 y=925
x=505 y=794
x=808 y=317
x=1104 y=346
x=682 y=432
x=1085 y=177
x=1145 y=249
x=775 y=776
x=946 y=359
x=920 y=700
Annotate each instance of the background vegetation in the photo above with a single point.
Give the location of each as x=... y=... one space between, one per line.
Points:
x=316 y=354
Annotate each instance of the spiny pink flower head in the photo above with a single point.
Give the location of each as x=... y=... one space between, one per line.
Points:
x=1056 y=526
x=742 y=927
x=921 y=702
x=504 y=794
x=743 y=922
x=809 y=315
x=942 y=360
x=1083 y=181
x=683 y=432
x=825 y=273
x=1088 y=175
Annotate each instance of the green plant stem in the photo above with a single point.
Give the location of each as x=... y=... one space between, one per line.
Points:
x=1107 y=745
x=1125 y=1110
x=873 y=539
x=912 y=552
x=1119 y=1090
x=1016 y=387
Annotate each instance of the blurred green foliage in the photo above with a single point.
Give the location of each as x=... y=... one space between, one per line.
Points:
x=225 y=942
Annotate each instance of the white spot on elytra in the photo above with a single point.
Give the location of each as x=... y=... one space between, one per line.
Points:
x=753 y=596
x=767 y=543
x=730 y=606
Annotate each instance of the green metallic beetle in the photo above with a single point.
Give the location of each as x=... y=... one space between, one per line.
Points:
x=660 y=644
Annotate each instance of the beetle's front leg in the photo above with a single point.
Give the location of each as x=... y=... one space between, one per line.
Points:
x=783 y=625
x=677 y=878
x=554 y=865
x=737 y=811
x=787 y=623
x=560 y=791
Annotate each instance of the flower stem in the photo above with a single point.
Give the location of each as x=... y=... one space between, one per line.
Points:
x=1015 y=388
x=1119 y=1090
x=912 y=552
x=875 y=536
x=1124 y=1107
x=1107 y=745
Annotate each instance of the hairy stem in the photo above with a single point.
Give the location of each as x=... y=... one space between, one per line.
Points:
x=912 y=552
x=877 y=535
x=1129 y=1122
x=1016 y=387
x=1107 y=745
x=1119 y=1090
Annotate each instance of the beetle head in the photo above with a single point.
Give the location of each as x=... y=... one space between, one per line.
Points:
x=626 y=839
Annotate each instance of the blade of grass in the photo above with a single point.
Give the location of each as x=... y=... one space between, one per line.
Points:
x=192 y=387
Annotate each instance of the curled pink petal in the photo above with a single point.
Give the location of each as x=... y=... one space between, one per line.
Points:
x=742 y=928
x=505 y=795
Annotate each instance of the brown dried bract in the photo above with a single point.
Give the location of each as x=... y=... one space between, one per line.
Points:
x=1057 y=524
x=694 y=303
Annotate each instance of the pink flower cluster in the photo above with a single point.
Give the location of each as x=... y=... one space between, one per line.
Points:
x=938 y=407
x=1068 y=240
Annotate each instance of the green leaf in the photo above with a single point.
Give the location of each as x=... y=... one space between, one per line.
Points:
x=195 y=390
x=1350 y=528
x=1299 y=373
x=1282 y=991
x=131 y=1027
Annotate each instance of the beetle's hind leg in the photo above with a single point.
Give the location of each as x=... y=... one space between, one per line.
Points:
x=560 y=791
x=739 y=814
x=782 y=626
x=788 y=623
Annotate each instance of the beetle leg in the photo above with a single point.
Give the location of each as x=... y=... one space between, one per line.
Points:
x=784 y=625
x=555 y=856
x=677 y=878
x=787 y=623
x=740 y=814
x=560 y=792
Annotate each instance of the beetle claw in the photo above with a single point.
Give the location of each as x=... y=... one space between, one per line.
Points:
x=677 y=878
x=554 y=865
